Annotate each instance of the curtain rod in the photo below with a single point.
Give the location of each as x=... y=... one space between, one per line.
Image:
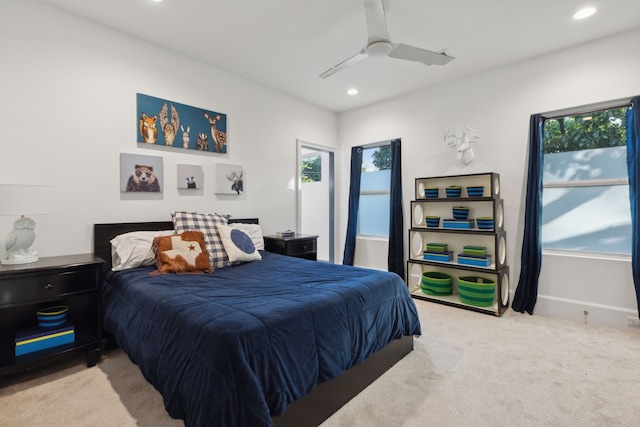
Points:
x=590 y=108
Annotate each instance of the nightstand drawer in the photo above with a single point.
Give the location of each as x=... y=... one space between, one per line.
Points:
x=47 y=286
x=301 y=246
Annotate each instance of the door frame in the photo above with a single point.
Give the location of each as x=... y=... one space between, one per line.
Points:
x=332 y=190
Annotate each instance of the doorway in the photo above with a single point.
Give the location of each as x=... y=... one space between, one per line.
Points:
x=316 y=198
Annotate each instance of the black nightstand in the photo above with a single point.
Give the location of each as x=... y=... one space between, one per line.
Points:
x=73 y=281
x=300 y=246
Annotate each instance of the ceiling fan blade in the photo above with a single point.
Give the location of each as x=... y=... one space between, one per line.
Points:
x=410 y=53
x=376 y=21
x=344 y=64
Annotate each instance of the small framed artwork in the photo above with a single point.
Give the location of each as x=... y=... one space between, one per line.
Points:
x=172 y=124
x=229 y=179
x=190 y=177
x=141 y=173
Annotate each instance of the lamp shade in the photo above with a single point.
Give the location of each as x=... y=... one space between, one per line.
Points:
x=18 y=199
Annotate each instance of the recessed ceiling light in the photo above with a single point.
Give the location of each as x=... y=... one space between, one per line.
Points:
x=352 y=91
x=584 y=13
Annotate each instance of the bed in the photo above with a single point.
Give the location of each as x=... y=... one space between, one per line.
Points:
x=282 y=341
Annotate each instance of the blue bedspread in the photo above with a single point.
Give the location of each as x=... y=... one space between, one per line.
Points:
x=235 y=347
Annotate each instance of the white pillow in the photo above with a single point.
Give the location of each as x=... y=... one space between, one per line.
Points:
x=131 y=250
x=237 y=244
x=254 y=231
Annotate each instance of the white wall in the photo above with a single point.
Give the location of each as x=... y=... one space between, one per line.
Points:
x=498 y=105
x=68 y=109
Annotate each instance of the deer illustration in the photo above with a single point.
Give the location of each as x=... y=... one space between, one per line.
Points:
x=219 y=137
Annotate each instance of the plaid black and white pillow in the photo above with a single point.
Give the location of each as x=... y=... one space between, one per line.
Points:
x=194 y=221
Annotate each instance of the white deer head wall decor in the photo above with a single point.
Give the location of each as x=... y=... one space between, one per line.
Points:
x=462 y=144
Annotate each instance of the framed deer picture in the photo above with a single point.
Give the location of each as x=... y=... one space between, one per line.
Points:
x=169 y=123
x=229 y=179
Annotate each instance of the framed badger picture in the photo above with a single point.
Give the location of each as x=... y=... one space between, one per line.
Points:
x=141 y=173
x=169 y=123
x=190 y=177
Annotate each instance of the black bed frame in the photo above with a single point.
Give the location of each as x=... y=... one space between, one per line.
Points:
x=319 y=404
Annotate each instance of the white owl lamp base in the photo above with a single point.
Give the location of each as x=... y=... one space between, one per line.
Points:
x=22 y=257
x=19 y=241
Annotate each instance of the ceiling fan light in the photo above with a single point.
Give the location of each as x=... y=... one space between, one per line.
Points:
x=379 y=49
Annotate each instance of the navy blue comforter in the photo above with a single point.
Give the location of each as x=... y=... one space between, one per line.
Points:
x=236 y=346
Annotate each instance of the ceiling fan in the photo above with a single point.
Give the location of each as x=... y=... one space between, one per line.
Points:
x=379 y=43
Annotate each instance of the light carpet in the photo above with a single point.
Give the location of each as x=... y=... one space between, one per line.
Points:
x=467 y=369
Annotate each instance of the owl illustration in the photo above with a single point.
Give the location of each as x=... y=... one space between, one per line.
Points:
x=21 y=237
x=169 y=128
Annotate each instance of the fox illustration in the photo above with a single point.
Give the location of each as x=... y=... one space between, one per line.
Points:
x=148 y=129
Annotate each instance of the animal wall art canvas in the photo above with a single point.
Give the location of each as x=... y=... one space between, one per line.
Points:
x=229 y=179
x=169 y=123
x=141 y=173
x=190 y=177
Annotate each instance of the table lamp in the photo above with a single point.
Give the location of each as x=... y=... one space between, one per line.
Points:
x=21 y=200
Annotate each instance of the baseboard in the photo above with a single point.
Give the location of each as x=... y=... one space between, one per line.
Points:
x=597 y=314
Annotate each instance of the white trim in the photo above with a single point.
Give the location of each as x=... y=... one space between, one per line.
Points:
x=587 y=183
x=374 y=192
x=586 y=255
x=590 y=108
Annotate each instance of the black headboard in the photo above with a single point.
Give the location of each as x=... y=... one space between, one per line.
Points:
x=103 y=233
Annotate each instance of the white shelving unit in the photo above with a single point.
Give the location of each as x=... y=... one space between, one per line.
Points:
x=489 y=205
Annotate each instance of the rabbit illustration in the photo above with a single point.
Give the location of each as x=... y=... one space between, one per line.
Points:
x=185 y=136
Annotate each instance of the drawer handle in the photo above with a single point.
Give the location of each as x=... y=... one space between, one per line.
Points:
x=48 y=286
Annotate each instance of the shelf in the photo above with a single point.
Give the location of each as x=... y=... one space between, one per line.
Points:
x=454 y=301
x=490 y=181
x=501 y=277
x=496 y=242
x=443 y=208
x=489 y=204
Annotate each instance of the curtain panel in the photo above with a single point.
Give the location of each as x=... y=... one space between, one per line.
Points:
x=526 y=293
x=354 y=203
x=633 y=166
x=396 y=223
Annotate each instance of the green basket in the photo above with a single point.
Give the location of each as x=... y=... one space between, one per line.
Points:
x=436 y=283
x=477 y=291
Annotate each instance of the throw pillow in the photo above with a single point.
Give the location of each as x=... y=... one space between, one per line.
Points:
x=254 y=231
x=188 y=221
x=182 y=253
x=238 y=245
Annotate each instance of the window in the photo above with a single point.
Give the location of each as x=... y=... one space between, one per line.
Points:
x=585 y=197
x=373 y=213
x=311 y=169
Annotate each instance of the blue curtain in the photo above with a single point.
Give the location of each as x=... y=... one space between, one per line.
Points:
x=633 y=165
x=531 y=257
x=354 y=203
x=396 y=223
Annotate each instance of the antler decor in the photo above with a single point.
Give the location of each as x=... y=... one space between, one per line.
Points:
x=462 y=144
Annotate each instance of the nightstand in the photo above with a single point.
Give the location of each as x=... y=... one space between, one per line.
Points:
x=73 y=281
x=299 y=245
